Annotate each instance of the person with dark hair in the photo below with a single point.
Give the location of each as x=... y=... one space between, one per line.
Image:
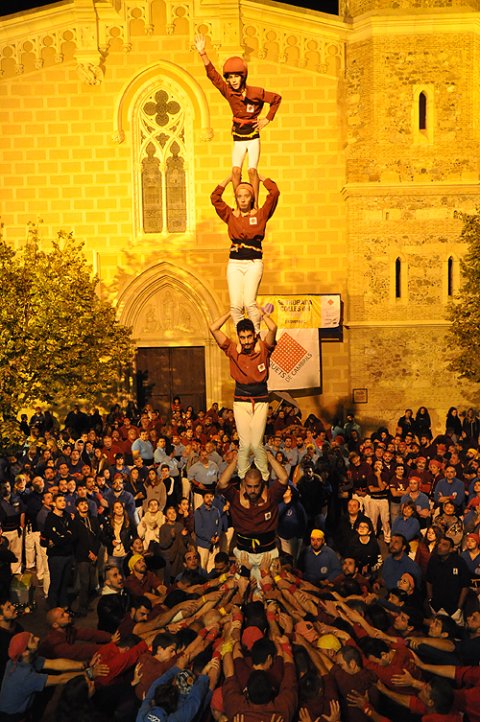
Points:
x=180 y=693
x=156 y=663
x=172 y=543
x=365 y=550
x=118 y=534
x=75 y=702
x=407 y=523
x=9 y=625
x=263 y=657
x=114 y=601
x=433 y=700
x=86 y=531
x=397 y=562
x=350 y=675
x=262 y=696
x=447 y=579
x=406 y=422
x=59 y=539
x=386 y=659
x=249 y=365
x=453 y=424
x=466 y=695
x=12 y=521
x=423 y=423
x=426 y=547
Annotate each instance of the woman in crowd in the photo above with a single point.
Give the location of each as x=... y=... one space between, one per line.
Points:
x=426 y=547
x=118 y=534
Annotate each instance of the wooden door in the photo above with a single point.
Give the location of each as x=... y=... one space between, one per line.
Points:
x=163 y=373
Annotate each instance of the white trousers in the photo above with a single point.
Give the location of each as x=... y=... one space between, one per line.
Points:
x=207 y=557
x=251 y=420
x=243 y=279
x=240 y=150
x=255 y=560
x=33 y=554
x=380 y=508
x=15 y=545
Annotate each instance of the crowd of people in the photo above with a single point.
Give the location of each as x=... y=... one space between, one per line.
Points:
x=340 y=585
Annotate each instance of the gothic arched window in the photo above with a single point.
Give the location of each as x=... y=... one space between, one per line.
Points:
x=162 y=163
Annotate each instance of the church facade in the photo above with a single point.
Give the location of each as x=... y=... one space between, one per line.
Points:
x=110 y=128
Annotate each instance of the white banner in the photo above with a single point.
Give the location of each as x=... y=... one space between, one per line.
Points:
x=295 y=363
x=307 y=311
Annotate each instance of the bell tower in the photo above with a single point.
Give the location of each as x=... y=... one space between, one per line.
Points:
x=411 y=149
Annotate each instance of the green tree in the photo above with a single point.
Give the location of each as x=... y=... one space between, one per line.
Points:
x=464 y=311
x=60 y=343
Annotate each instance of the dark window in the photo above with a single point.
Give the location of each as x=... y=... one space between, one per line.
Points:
x=398 y=278
x=422 y=111
x=450 y=276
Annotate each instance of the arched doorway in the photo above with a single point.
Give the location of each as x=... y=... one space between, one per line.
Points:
x=169 y=310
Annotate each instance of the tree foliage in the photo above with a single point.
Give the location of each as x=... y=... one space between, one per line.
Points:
x=464 y=311
x=60 y=343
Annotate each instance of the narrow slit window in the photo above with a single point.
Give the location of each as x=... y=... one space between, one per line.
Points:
x=422 y=111
x=450 y=277
x=398 y=278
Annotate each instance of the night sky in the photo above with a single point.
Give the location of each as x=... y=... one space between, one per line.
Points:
x=12 y=6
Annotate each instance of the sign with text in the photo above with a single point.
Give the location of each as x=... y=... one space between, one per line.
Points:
x=309 y=311
x=295 y=363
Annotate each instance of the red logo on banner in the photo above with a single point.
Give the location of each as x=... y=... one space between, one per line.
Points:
x=288 y=353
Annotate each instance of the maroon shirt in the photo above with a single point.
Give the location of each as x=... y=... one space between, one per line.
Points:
x=246 y=232
x=138 y=587
x=249 y=371
x=72 y=643
x=259 y=518
x=246 y=103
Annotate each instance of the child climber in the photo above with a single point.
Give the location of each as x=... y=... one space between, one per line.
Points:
x=246 y=103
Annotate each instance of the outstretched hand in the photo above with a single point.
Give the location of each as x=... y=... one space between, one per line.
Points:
x=199 y=41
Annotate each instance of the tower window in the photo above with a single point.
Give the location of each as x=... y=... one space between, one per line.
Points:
x=422 y=111
x=450 y=277
x=398 y=278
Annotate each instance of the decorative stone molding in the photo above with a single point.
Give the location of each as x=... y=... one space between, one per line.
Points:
x=169 y=71
x=306 y=40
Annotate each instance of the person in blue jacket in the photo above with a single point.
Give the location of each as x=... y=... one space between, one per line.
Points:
x=292 y=522
x=178 y=695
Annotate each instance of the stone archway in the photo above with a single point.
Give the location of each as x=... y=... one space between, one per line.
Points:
x=169 y=306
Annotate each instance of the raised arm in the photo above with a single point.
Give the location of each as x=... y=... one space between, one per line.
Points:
x=227 y=473
x=200 y=45
x=271 y=326
x=215 y=329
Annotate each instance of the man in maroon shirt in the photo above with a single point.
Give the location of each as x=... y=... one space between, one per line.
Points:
x=65 y=640
x=249 y=364
x=254 y=512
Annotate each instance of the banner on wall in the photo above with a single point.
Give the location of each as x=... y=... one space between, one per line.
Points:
x=295 y=363
x=310 y=311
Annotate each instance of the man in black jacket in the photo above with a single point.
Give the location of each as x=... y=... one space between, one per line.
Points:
x=114 y=602
x=86 y=530
x=59 y=537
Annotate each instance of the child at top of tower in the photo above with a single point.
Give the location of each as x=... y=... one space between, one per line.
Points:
x=246 y=103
